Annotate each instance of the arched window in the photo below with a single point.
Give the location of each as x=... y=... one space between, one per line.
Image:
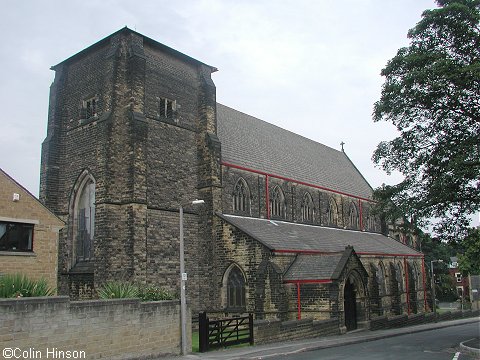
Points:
x=399 y=275
x=371 y=221
x=332 y=212
x=353 y=216
x=381 y=279
x=415 y=276
x=409 y=240
x=241 y=196
x=235 y=288
x=84 y=218
x=277 y=203
x=307 y=208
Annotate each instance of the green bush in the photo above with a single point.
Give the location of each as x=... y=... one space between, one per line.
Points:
x=154 y=293
x=118 y=290
x=124 y=290
x=18 y=285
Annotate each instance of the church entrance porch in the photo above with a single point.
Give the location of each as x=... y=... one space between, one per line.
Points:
x=350 y=306
x=355 y=301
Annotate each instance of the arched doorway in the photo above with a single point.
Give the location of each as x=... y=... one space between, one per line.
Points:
x=350 y=305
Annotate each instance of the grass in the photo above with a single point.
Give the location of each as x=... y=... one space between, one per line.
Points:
x=196 y=347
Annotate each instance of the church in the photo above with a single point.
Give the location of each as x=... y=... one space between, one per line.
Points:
x=286 y=228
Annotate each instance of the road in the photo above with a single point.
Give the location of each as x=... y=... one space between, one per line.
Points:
x=429 y=345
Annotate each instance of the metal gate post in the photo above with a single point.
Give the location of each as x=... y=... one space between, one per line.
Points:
x=203 y=332
x=250 y=327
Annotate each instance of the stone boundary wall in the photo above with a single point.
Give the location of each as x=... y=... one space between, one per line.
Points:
x=45 y=327
x=266 y=331
x=384 y=322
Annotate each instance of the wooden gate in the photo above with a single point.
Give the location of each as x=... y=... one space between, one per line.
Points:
x=224 y=332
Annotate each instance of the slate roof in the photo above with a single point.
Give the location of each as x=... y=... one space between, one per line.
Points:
x=284 y=236
x=313 y=267
x=255 y=144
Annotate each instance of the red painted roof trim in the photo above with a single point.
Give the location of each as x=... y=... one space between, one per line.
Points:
x=292 y=251
x=317 y=252
x=295 y=181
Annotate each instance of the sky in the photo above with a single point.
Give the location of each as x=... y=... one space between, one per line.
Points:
x=308 y=66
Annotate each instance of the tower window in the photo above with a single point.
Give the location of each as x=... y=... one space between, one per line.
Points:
x=167 y=108
x=86 y=222
x=89 y=108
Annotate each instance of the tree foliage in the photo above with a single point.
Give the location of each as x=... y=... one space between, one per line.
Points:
x=469 y=261
x=432 y=95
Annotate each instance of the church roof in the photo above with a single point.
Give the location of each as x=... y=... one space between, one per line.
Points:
x=313 y=267
x=281 y=236
x=318 y=267
x=255 y=144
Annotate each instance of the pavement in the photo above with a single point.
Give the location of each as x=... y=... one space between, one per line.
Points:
x=266 y=351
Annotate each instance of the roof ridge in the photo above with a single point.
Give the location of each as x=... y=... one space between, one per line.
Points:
x=281 y=128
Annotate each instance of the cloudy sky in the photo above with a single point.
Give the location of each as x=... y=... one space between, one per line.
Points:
x=309 y=66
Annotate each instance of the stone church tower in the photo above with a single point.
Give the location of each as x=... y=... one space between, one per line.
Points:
x=287 y=229
x=131 y=137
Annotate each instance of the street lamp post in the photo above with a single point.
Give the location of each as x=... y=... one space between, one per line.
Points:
x=434 y=302
x=183 y=280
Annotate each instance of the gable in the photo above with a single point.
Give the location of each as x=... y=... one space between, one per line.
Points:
x=27 y=207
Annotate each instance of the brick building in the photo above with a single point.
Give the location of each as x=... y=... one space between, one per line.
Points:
x=134 y=131
x=28 y=234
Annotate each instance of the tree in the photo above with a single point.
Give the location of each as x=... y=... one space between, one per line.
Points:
x=434 y=249
x=469 y=261
x=432 y=95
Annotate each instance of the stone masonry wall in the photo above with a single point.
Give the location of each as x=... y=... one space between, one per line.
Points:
x=266 y=331
x=144 y=164
x=113 y=329
x=293 y=194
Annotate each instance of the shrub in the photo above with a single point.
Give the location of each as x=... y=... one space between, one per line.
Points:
x=18 y=285
x=123 y=290
x=118 y=290
x=154 y=293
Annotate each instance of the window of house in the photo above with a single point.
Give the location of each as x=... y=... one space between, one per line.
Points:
x=353 y=216
x=307 y=208
x=89 y=108
x=236 y=288
x=167 y=108
x=86 y=222
x=332 y=212
x=277 y=203
x=16 y=236
x=458 y=276
x=241 y=197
